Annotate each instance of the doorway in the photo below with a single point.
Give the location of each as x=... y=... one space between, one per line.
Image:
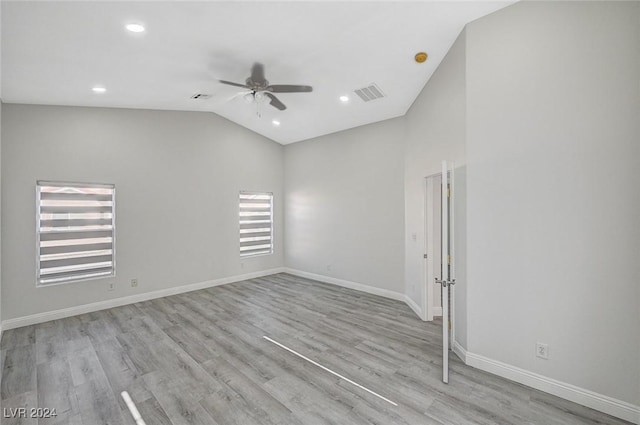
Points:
x=432 y=291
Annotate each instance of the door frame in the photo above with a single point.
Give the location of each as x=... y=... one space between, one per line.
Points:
x=429 y=269
x=452 y=250
x=448 y=278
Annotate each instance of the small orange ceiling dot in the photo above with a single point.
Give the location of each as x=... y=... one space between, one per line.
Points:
x=421 y=57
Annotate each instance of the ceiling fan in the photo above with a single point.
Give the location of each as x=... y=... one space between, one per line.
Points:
x=259 y=87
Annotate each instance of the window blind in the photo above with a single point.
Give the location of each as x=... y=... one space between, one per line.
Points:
x=75 y=229
x=256 y=223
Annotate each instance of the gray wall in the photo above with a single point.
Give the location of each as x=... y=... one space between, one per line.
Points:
x=538 y=106
x=177 y=177
x=435 y=128
x=0 y=179
x=344 y=205
x=553 y=159
x=1 y=105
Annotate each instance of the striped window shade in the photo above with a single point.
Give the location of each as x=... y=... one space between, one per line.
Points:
x=256 y=223
x=75 y=231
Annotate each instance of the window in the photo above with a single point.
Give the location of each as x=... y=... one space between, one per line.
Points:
x=75 y=231
x=256 y=223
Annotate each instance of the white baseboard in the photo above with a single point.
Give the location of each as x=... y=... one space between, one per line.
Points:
x=600 y=402
x=117 y=302
x=603 y=403
x=414 y=306
x=460 y=351
x=359 y=287
x=348 y=284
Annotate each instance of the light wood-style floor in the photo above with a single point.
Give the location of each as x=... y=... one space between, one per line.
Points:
x=200 y=358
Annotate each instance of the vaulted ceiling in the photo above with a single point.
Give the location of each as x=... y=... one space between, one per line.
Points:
x=55 y=52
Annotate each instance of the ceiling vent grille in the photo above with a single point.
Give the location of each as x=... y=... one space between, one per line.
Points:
x=369 y=93
x=201 y=96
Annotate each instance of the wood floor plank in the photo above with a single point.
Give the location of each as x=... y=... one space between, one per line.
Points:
x=55 y=349
x=305 y=399
x=85 y=366
x=227 y=408
x=18 y=371
x=100 y=329
x=555 y=410
x=98 y=404
x=190 y=342
x=3 y=355
x=259 y=402
x=180 y=407
x=62 y=420
x=150 y=410
x=200 y=358
x=55 y=388
x=11 y=406
x=14 y=338
x=380 y=415
x=121 y=372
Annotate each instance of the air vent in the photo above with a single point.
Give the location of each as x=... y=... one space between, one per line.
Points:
x=201 y=96
x=369 y=93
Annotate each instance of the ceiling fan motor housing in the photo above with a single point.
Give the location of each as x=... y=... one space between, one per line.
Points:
x=260 y=88
x=257 y=86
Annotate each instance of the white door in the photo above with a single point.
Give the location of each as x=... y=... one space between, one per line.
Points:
x=447 y=279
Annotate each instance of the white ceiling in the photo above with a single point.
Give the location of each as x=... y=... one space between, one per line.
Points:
x=54 y=52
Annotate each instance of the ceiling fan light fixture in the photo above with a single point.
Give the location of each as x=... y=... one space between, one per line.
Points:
x=262 y=91
x=137 y=28
x=344 y=99
x=248 y=97
x=421 y=57
x=276 y=123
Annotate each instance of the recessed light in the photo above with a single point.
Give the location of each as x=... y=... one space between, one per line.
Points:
x=276 y=123
x=99 y=89
x=135 y=27
x=344 y=98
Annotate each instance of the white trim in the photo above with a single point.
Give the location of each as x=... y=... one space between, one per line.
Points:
x=415 y=307
x=460 y=351
x=600 y=402
x=348 y=284
x=132 y=408
x=437 y=311
x=326 y=369
x=117 y=302
x=359 y=287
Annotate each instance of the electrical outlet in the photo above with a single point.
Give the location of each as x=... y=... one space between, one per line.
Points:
x=134 y=282
x=542 y=350
x=111 y=286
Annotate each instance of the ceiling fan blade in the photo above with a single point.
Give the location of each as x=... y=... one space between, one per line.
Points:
x=285 y=88
x=231 y=83
x=257 y=73
x=275 y=102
